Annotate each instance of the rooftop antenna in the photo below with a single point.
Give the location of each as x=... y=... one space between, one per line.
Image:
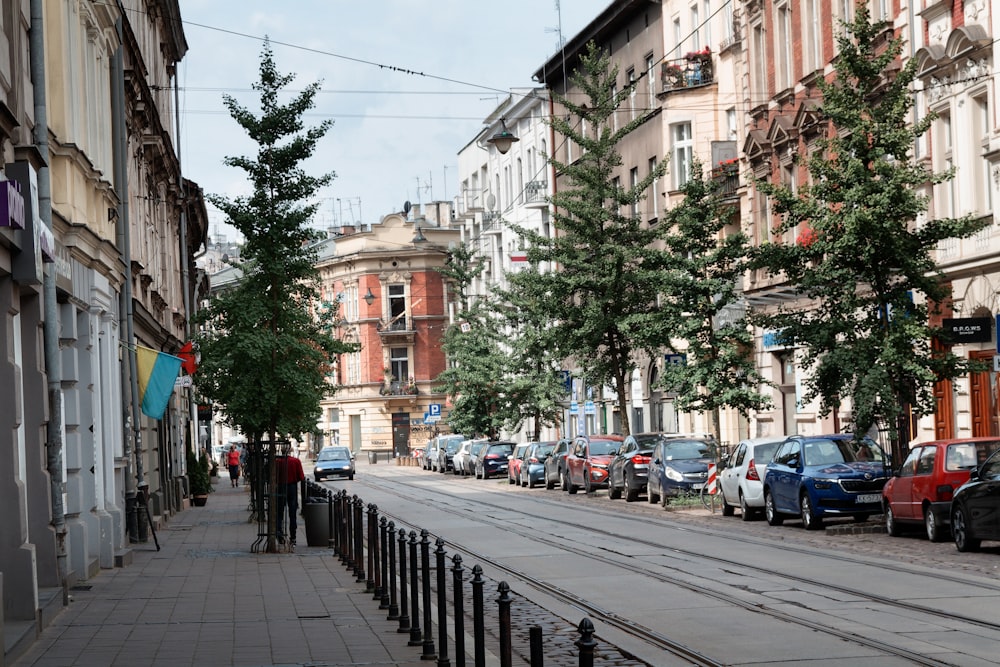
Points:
x=562 y=41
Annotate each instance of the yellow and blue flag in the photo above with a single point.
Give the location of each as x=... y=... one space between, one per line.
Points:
x=156 y=373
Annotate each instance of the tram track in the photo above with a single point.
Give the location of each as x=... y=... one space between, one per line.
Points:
x=417 y=493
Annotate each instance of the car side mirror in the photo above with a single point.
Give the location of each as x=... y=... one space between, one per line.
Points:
x=657 y=461
x=974 y=474
x=793 y=462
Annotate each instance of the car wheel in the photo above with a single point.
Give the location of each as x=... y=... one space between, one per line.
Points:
x=631 y=494
x=571 y=488
x=549 y=484
x=653 y=498
x=891 y=525
x=531 y=482
x=773 y=518
x=962 y=531
x=614 y=492
x=588 y=488
x=809 y=520
x=727 y=509
x=351 y=477
x=664 y=500
x=935 y=532
x=746 y=512
x=563 y=482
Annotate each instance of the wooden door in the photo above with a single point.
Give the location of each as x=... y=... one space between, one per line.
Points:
x=944 y=403
x=983 y=408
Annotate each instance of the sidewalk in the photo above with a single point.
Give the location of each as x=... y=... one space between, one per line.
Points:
x=205 y=599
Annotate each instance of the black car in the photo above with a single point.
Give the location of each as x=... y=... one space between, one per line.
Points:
x=976 y=505
x=629 y=470
x=492 y=459
x=555 y=464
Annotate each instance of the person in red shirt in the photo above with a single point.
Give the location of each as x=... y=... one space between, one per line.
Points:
x=233 y=461
x=289 y=474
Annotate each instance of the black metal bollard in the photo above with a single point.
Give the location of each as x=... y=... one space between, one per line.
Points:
x=504 y=603
x=537 y=658
x=442 y=603
x=425 y=571
x=341 y=523
x=456 y=575
x=359 y=547
x=478 y=624
x=383 y=584
x=370 y=585
x=331 y=542
x=586 y=643
x=416 y=637
x=349 y=518
x=345 y=528
x=404 y=609
x=391 y=542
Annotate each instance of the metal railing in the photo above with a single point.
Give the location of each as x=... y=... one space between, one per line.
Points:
x=395 y=566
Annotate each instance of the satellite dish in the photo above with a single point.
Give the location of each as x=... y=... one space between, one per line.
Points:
x=406 y=207
x=491 y=201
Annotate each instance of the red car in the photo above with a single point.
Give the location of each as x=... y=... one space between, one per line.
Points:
x=514 y=462
x=588 y=460
x=920 y=491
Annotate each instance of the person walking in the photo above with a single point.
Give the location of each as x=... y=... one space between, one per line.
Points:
x=233 y=461
x=289 y=475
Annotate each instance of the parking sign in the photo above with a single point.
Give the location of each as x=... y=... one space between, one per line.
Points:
x=434 y=409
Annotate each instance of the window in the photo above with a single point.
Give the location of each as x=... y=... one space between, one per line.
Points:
x=614 y=114
x=399 y=364
x=695 y=29
x=944 y=195
x=633 y=176
x=520 y=178
x=650 y=82
x=397 y=307
x=980 y=165
x=813 y=18
x=759 y=55
x=655 y=185
x=683 y=152
x=678 y=37
x=632 y=93
x=707 y=4
x=729 y=24
x=783 y=47
x=731 y=130
x=925 y=465
x=616 y=187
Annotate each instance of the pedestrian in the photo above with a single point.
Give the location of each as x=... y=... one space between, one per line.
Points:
x=233 y=460
x=289 y=474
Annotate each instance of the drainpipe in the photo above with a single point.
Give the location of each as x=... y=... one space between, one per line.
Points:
x=130 y=405
x=190 y=305
x=50 y=333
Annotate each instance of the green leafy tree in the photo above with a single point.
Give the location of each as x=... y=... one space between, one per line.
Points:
x=863 y=266
x=604 y=290
x=266 y=356
x=703 y=307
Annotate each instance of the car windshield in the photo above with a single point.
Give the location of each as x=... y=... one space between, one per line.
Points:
x=674 y=450
x=827 y=452
x=968 y=455
x=501 y=449
x=333 y=455
x=476 y=448
x=452 y=447
x=602 y=447
x=543 y=450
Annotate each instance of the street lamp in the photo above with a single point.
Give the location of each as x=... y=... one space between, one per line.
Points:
x=503 y=139
x=369 y=297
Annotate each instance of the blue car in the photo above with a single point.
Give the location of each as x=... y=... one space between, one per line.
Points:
x=813 y=477
x=679 y=466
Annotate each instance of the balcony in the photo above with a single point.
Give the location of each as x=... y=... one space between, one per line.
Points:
x=491 y=221
x=727 y=177
x=396 y=330
x=536 y=194
x=692 y=71
x=398 y=388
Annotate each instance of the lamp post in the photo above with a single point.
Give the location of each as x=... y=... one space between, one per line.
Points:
x=369 y=297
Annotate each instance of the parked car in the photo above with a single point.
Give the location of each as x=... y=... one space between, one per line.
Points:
x=430 y=454
x=678 y=466
x=492 y=459
x=976 y=506
x=587 y=462
x=629 y=469
x=462 y=462
x=334 y=462
x=920 y=492
x=514 y=462
x=555 y=465
x=741 y=479
x=814 y=477
x=447 y=447
x=533 y=466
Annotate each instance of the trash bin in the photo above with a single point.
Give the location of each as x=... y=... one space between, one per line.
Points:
x=372 y=457
x=316 y=516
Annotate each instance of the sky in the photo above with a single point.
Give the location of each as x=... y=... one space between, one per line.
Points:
x=406 y=82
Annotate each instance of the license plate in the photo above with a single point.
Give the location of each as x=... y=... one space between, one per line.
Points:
x=697 y=487
x=868 y=498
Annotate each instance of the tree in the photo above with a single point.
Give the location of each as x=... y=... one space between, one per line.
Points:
x=703 y=307
x=861 y=263
x=266 y=355
x=604 y=289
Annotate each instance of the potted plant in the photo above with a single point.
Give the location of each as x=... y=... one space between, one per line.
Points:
x=198 y=478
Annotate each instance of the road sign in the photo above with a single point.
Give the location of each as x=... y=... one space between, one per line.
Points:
x=589 y=409
x=675 y=359
x=431 y=419
x=574 y=408
x=434 y=409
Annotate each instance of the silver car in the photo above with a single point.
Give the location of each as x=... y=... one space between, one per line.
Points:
x=741 y=479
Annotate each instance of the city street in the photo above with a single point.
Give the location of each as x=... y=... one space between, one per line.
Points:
x=658 y=582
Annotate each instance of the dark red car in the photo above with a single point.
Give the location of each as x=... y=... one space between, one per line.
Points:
x=588 y=460
x=920 y=491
